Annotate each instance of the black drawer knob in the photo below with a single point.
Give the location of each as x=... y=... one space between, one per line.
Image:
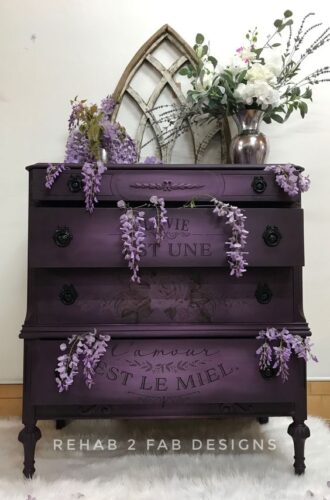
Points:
x=263 y=294
x=272 y=236
x=68 y=295
x=75 y=183
x=259 y=184
x=62 y=237
x=268 y=372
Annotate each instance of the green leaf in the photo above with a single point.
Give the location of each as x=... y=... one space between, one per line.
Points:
x=267 y=119
x=183 y=71
x=278 y=23
x=205 y=50
x=276 y=45
x=303 y=108
x=277 y=118
x=213 y=60
x=288 y=13
x=199 y=38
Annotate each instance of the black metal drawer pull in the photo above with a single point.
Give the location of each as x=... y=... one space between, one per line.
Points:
x=268 y=372
x=259 y=184
x=263 y=293
x=75 y=183
x=68 y=295
x=272 y=236
x=62 y=236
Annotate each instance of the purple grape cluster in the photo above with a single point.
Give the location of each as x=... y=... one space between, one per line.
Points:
x=92 y=175
x=278 y=356
x=88 y=349
x=237 y=241
x=290 y=179
x=159 y=222
x=53 y=171
x=133 y=231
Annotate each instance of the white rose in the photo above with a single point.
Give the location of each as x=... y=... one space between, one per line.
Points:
x=260 y=72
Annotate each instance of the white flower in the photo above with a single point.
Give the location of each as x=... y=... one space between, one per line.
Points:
x=260 y=72
x=236 y=65
x=273 y=61
x=246 y=54
x=260 y=91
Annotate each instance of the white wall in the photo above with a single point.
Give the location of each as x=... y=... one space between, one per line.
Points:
x=52 y=50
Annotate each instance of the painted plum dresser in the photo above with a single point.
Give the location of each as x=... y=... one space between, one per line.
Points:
x=183 y=342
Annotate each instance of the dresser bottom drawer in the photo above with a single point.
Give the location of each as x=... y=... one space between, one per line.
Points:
x=165 y=373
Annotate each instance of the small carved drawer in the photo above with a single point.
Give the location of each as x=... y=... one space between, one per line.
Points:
x=167 y=373
x=175 y=184
x=62 y=237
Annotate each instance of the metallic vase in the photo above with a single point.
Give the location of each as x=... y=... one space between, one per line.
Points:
x=249 y=145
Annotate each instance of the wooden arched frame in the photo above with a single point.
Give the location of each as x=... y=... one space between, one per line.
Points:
x=201 y=138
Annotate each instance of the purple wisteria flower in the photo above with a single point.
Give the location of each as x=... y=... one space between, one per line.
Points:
x=290 y=179
x=89 y=349
x=92 y=175
x=119 y=145
x=152 y=160
x=52 y=173
x=237 y=240
x=77 y=148
x=159 y=222
x=108 y=104
x=278 y=356
x=132 y=226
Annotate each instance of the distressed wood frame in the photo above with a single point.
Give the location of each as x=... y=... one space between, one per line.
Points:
x=201 y=138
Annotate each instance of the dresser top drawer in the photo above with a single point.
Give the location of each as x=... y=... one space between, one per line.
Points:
x=243 y=183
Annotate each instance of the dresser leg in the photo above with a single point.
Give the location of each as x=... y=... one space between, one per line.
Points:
x=29 y=436
x=299 y=432
x=60 y=424
x=263 y=420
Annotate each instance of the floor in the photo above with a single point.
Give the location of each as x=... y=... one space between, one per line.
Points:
x=124 y=474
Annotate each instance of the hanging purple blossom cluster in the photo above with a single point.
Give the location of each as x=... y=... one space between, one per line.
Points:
x=87 y=349
x=278 y=356
x=237 y=241
x=289 y=178
x=53 y=171
x=133 y=231
x=92 y=175
x=132 y=226
x=159 y=222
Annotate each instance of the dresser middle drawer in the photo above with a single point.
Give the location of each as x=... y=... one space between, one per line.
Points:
x=165 y=296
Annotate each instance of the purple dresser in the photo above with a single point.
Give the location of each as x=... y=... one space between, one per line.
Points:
x=183 y=342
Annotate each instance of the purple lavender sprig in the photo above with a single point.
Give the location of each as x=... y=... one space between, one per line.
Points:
x=132 y=226
x=92 y=175
x=278 y=356
x=290 y=179
x=52 y=173
x=159 y=222
x=237 y=240
x=89 y=349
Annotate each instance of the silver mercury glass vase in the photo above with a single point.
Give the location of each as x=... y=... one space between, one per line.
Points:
x=249 y=145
